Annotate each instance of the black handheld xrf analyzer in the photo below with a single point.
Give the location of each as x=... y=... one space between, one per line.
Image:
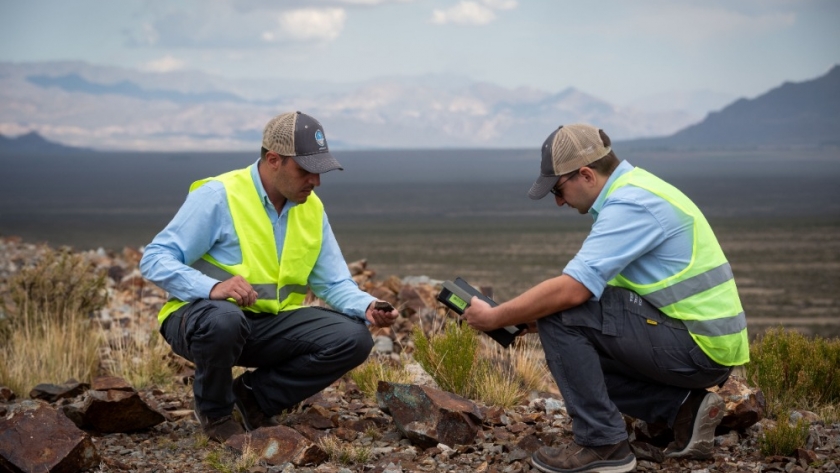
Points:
x=457 y=295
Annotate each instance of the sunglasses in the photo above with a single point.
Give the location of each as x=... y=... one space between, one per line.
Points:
x=556 y=190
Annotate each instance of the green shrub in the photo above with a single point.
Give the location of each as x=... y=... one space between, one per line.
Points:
x=449 y=357
x=795 y=371
x=785 y=438
x=62 y=285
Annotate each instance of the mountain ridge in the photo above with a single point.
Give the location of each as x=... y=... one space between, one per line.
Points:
x=107 y=108
x=794 y=114
x=110 y=108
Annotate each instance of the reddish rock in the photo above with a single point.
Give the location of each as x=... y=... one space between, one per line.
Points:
x=105 y=383
x=118 y=411
x=363 y=425
x=393 y=284
x=744 y=405
x=493 y=415
x=39 y=438
x=530 y=443
x=428 y=416
x=313 y=435
x=54 y=392
x=6 y=394
x=315 y=416
x=278 y=445
x=357 y=267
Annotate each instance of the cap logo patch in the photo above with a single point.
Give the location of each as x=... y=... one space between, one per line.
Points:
x=319 y=138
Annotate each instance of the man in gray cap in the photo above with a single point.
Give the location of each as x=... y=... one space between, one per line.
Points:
x=642 y=320
x=237 y=260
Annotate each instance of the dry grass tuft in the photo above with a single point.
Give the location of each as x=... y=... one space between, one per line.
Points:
x=226 y=461
x=48 y=335
x=375 y=369
x=529 y=364
x=344 y=454
x=497 y=385
x=143 y=359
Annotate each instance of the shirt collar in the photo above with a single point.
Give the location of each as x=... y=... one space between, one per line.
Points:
x=255 y=175
x=622 y=168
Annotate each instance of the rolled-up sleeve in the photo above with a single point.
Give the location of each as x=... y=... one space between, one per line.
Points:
x=625 y=229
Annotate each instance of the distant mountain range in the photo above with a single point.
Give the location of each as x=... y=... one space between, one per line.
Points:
x=106 y=108
x=79 y=104
x=804 y=114
x=33 y=143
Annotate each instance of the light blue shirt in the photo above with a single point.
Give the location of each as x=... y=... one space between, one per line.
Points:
x=635 y=233
x=203 y=225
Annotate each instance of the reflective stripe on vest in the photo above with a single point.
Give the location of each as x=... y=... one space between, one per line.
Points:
x=702 y=295
x=264 y=291
x=280 y=285
x=695 y=285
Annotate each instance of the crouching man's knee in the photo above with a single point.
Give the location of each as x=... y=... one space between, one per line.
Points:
x=359 y=345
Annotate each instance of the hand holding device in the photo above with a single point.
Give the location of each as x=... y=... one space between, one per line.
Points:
x=457 y=296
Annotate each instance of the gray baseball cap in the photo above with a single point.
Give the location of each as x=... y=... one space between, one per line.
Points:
x=300 y=136
x=566 y=149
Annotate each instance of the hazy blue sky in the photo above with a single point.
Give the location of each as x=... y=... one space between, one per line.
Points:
x=615 y=49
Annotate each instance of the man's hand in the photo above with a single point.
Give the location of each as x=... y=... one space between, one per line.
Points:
x=479 y=315
x=236 y=288
x=532 y=328
x=380 y=318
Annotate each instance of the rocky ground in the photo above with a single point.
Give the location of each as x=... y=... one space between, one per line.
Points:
x=366 y=438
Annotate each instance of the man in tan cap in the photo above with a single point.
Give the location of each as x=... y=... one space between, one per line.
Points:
x=237 y=260
x=641 y=321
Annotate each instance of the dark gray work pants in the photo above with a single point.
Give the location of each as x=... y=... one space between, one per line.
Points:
x=607 y=359
x=296 y=353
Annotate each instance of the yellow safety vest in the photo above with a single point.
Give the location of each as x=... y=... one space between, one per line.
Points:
x=281 y=284
x=702 y=295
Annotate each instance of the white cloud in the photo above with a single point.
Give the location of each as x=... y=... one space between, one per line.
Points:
x=470 y=12
x=464 y=13
x=167 y=63
x=311 y=23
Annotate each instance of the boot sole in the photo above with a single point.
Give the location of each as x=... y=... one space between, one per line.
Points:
x=702 y=440
x=607 y=466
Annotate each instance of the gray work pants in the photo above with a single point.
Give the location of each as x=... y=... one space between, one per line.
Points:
x=620 y=355
x=296 y=353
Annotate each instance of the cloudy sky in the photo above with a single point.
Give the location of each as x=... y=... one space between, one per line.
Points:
x=614 y=49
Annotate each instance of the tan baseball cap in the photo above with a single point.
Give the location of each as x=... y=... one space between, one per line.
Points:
x=567 y=149
x=302 y=137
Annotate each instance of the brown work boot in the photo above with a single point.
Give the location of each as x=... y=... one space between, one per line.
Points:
x=218 y=428
x=694 y=428
x=616 y=458
x=246 y=404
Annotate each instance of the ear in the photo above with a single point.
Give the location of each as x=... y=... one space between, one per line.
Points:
x=588 y=174
x=272 y=159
